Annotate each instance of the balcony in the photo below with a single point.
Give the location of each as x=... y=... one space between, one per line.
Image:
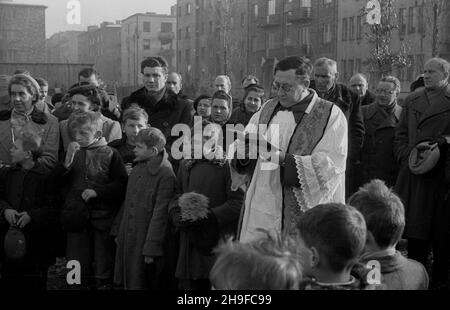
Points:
x=270 y=21
x=166 y=37
x=300 y=15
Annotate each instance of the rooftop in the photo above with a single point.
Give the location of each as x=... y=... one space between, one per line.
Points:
x=150 y=14
x=10 y=3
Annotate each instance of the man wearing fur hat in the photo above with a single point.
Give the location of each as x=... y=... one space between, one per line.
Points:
x=24 y=94
x=420 y=147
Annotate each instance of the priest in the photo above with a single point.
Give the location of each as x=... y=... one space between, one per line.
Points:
x=305 y=162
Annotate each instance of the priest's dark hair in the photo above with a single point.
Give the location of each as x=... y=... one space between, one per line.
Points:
x=300 y=64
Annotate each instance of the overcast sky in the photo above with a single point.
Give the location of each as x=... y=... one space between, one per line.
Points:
x=93 y=12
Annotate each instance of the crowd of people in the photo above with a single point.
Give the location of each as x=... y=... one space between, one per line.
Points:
x=347 y=176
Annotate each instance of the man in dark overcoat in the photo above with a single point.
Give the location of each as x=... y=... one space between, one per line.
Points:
x=425 y=121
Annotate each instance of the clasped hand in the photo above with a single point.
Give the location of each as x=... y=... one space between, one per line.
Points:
x=15 y=218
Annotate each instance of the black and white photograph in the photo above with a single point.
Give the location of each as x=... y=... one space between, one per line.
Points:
x=250 y=146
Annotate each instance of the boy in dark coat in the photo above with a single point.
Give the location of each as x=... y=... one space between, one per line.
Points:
x=96 y=180
x=140 y=241
x=134 y=120
x=26 y=205
x=210 y=177
x=385 y=217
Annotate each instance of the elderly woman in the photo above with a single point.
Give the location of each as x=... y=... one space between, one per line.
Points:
x=84 y=98
x=24 y=93
x=381 y=119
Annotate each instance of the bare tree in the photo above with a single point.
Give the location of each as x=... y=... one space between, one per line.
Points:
x=230 y=36
x=435 y=13
x=383 y=59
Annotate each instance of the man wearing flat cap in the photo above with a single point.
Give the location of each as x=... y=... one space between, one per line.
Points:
x=421 y=148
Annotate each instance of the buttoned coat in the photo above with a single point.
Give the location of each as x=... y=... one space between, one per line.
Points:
x=377 y=158
x=422 y=120
x=144 y=221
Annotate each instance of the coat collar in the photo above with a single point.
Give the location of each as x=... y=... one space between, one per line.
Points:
x=37 y=169
x=438 y=105
x=154 y=167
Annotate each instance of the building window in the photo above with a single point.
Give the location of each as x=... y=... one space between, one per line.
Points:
x=255 y=10
x=305 y=36
x=202 y=28
x=179 y=34
x=179 y=57
x=402 y=21
x=359 y=28
x=411 y=20
x=242 y=19
x=358 y=65
x=188 y=9
x=211 y=27
x=146 y=26
x=351 y=68
x=187 y=57
x=326 y=33
x=421 y=21
x=352 y=28
x=271 y=6
x=188 y=31
x=344 y=29
x=179 y=11
x=305 y=3
x=272 y=39
x=203 y=52
x=146 y=44
x=166 y=27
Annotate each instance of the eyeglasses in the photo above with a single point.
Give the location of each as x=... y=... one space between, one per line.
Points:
x=385 y=91
x=285 y=87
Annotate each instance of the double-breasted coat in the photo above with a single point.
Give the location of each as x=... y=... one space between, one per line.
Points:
x=144 y=221
x=424 y=118
x=377 y=158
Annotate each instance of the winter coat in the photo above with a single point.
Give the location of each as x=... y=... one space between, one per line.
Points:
x=168 y=112
x=50 y=138
x=211 y=179
x=240 y=116
x=125 y=150
x=400 y=273
x=377 y=158
x=144 y=221
x=98 y=167
x=29 y=191
x=368 y=98
x=423 y=195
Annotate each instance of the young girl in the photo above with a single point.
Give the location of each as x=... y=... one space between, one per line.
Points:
x=252 y=102
x=202 y=106
x=210 y=177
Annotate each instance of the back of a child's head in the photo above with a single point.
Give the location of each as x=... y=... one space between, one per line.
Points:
x=270 y=263
x=78 y=119
x=383 y=211
x=31 y=137
x=134 y=113
x=336 y=231
x=152 y=137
